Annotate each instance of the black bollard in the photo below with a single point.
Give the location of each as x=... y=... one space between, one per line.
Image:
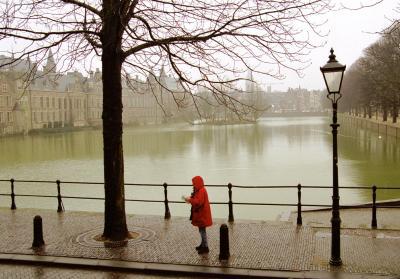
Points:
x=224 y=242
x=37 y=232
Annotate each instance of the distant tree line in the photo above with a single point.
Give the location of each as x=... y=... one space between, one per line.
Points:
x=371 y=86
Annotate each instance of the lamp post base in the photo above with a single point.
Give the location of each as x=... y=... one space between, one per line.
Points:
x=335 y=262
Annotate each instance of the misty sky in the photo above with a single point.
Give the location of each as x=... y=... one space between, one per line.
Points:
x=350 y=33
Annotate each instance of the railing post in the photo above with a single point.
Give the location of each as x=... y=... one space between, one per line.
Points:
x=13 y=206
x=167 y=214
x=60 y=204
x=374 y=223
x=299 y=219
x=230 y=204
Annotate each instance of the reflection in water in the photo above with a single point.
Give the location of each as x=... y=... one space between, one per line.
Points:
x=275 y=151
x=373 y=158
x=50 y=147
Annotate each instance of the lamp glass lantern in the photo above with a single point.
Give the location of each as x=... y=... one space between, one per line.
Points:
x=333 y=74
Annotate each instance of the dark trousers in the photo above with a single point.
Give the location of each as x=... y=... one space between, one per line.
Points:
x=203 y=234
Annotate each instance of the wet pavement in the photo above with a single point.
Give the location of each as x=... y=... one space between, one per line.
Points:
x=165 y=248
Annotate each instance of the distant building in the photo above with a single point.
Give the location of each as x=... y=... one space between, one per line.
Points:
x=31 y=99
x=296 y=100
x=245 y=105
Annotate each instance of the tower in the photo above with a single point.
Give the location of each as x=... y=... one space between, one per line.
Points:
x=50 y=66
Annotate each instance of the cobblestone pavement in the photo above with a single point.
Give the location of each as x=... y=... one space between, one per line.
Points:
x=269 y=245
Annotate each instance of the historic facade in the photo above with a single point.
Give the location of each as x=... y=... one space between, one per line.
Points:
x=296 y=100
x=33 y=99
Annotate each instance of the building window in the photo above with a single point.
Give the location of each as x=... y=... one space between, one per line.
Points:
x=9 y=116
x=2 y=120
x=4 y=88
x=41 y=102
x=47 y=102
x=9 y=101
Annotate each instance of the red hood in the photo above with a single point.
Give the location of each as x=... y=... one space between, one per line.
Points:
x=198 y=182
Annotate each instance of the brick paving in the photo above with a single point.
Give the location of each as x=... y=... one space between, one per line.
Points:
x=254 y=245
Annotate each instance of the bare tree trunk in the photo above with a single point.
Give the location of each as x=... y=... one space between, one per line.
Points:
x=395 y=113
x=369 y=111
x=385 y=113
x=115 y=227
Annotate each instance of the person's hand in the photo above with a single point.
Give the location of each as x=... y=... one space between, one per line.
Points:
x=187 y=199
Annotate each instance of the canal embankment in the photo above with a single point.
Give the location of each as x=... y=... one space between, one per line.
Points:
x=357 y=216
x=375 y=124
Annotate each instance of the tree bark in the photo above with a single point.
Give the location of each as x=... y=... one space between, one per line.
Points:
x=369 y=111
x=115 y=227
x=385 y=113
x=395 y=113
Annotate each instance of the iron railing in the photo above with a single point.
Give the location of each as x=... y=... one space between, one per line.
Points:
x=230 y=202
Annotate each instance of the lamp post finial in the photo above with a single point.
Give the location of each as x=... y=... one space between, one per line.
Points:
x=332 y=57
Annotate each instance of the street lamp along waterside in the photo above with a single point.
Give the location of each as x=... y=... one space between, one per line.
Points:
x=333 y=77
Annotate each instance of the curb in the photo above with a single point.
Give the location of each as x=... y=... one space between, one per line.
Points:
x=175 y=269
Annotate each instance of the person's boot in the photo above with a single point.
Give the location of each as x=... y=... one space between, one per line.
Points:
x=203 y=250
x=198 y=247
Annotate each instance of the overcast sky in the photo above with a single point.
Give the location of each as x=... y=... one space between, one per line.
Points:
x=350 y=33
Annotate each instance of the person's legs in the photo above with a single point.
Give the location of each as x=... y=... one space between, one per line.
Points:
x=203 y=248
x=203 y=234
x=201 y=237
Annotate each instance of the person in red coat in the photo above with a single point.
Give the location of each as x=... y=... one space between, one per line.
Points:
x=200 y=212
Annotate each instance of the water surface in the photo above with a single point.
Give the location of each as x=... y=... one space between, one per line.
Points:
x=275 y=151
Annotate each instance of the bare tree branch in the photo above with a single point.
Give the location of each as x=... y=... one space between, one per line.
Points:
x=85 y=6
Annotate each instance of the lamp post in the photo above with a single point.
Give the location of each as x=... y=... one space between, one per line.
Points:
x=333 y=76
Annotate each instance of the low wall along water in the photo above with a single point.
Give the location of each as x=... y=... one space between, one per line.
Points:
x=382 y=128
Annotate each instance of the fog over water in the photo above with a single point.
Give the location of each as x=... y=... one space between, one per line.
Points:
x=275 y=151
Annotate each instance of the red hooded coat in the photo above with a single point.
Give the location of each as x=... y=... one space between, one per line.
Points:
x=201 y=211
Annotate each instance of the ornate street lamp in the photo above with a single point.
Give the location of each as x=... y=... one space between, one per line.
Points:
x=333 y=76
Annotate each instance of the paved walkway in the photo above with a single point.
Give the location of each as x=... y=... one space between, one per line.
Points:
x=265 y=249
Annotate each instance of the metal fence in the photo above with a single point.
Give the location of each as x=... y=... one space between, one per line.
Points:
x=165 y=186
